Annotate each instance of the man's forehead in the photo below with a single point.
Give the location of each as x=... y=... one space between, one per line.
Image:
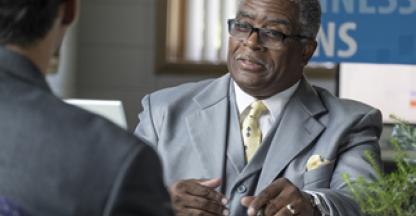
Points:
x=268 y=5
x=269 y=19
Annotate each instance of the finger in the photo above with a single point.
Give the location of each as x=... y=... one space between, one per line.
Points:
x=246 y=201
x=188 y=212
x=275 y=205
x=207 y=192
x=194 y=202
x=268 y=194
x=283 y=212
x=193 y=187
x=298 y=206
x=211 y=183
x=294 y=210
x=214 y=183
x=186 y=201
x=289 y=195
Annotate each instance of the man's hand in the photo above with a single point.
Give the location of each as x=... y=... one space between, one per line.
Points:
x=279 y=198
x=198 y=197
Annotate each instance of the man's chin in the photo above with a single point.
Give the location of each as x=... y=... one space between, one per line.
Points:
x=251 y=87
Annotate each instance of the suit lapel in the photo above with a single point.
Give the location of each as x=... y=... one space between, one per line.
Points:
x=297 y=130
x=235 y=147
x=208 y=125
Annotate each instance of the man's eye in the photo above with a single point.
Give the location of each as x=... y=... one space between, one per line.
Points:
x=243 y=26
x=274 y=34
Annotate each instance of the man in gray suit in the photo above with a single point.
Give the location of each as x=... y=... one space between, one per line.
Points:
x=262 y=137
x=56 y=159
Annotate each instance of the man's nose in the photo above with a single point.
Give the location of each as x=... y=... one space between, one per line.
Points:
x=253 y=41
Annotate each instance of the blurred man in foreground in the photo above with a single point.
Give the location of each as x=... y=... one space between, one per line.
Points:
x=261 y=136
x=56 y=159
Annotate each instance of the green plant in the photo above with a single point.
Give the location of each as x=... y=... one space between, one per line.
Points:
x=392 y=194
x=404 y=134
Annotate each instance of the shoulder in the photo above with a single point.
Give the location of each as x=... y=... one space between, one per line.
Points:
x=183 y=96
x=90 y=134
x=346 y=110
x=331 y=101
x=180 y=92
x=83 y=126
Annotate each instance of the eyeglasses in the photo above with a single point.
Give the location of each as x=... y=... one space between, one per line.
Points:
x=267 y=37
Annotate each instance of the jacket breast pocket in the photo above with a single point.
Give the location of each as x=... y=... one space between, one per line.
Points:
x=319 y=177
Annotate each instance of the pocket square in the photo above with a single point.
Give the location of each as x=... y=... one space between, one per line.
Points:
x=316 y=161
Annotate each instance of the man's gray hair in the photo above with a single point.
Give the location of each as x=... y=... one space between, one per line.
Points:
x=309 y=16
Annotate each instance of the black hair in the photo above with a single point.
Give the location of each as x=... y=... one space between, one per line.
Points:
x=24 y=22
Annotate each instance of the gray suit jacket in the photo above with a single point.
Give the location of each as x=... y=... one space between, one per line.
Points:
x=188 y=126
x=58 y=160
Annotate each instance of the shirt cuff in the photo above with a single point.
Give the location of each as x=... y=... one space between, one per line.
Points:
x=320 y=202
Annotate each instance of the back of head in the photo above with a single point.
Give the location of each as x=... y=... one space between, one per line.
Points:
x=24 y=22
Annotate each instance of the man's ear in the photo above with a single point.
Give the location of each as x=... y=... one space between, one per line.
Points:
x=70 y=11
x=308 y=50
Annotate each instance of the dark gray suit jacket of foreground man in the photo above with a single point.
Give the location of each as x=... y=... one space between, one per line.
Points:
x=56 y=159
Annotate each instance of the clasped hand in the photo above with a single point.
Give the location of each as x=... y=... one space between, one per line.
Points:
x=280 y=198
x=199 y=197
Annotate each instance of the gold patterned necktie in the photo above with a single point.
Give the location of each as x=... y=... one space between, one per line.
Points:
x=250 y=129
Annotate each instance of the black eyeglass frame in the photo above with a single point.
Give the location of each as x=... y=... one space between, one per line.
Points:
x=232 y=22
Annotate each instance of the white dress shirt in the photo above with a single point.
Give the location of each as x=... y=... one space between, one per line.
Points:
x=275 y=105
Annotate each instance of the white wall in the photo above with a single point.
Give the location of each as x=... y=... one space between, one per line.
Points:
x=116 y=49
x=62 y=83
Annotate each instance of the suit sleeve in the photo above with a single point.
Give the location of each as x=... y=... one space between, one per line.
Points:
x=146 y=128
x=139 y=188
x=361 y=137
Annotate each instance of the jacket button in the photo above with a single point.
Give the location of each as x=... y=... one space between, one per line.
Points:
x=242 y=189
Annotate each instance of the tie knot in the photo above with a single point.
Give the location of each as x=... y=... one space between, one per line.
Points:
x=257 y=108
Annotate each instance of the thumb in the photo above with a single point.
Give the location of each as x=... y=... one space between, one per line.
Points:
x=246 y=201
x=211 y=183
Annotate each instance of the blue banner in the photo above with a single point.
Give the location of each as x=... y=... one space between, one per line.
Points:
x=372 y=31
